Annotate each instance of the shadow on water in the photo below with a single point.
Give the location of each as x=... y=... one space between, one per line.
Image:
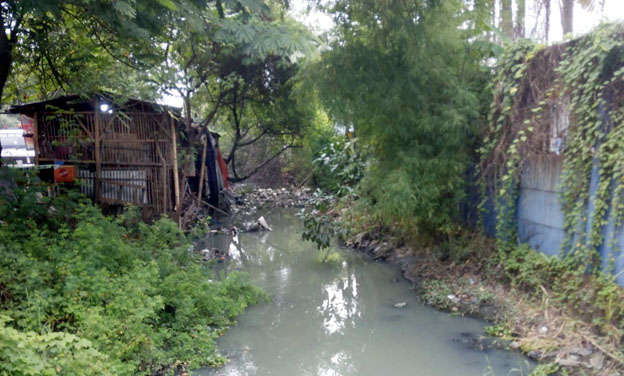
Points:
x=338 y=318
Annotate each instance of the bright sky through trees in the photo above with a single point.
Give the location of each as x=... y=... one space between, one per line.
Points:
x=584 y=20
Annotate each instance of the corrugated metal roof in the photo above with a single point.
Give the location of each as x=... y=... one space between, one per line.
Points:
x=79 y=104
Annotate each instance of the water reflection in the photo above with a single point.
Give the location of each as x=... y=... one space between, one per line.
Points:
x=338 y=319
x=340 y=306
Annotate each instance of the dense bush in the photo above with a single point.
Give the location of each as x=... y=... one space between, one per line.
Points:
x=81 y=293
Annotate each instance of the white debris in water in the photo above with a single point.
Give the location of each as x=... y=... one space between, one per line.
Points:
x=400 y=305
x=264 y=224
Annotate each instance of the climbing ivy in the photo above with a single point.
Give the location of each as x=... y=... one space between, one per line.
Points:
x=505 y=137
x=589 y=73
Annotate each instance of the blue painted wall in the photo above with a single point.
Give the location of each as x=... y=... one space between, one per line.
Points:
x=539 y=214
x=540 y=217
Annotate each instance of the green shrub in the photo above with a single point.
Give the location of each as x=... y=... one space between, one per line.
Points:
x=99 y=285
x=53 y=353
x=339 y=167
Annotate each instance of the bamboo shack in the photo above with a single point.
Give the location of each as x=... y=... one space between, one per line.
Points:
x=119 y=153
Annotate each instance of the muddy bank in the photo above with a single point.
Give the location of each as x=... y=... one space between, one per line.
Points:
x=544 y=331
x=466 y=295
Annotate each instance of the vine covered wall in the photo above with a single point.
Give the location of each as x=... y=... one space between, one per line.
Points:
x=552 y=167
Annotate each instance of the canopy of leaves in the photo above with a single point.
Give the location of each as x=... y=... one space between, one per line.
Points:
x=79 y=45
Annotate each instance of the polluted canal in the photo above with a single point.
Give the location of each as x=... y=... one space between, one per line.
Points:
x=340 y=317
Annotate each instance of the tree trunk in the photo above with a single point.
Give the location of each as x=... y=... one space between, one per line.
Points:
x=232 y=162
x=567 y=16
x=506 y=21
x=520 y=18
x=485 y=10
x=6 y=58
x=6 y=54
x=547 y=22
x=237 y=178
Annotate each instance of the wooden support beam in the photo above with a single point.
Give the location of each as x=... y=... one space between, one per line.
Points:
x=176 y=182
x=36 y=137
x=202 y=171
x=97 y=184
x=215 y=208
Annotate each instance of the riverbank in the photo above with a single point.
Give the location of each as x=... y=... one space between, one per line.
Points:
x=466 y=278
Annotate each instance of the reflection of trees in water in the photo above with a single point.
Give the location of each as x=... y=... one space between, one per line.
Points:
x=340 y=305
x=314 y=307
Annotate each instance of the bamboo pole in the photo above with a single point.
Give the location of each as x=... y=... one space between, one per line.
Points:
x=164 y=180
x=215 y=208
x=98 y=160
x=202 y=171
x=176 y=182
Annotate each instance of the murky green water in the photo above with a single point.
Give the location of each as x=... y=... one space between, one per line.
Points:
x=339 y=318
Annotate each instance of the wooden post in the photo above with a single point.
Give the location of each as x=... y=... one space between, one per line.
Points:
x=176 y=182
x=165 y=182
x=97 y=187
x=36 y=137
x=202 y=172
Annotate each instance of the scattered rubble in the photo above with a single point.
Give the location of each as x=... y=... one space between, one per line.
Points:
x=259 y=225
x=212 y=254
x=250 y=198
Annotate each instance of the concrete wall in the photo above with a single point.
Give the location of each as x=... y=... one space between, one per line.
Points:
x=539 y=215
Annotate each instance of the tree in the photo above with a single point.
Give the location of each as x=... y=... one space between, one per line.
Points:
x=567 y=16
x=59 y=39
x=506 y=18
x=262 y=106
x=567 y=12
x=407 y=78
x=547 y=20
x=221 y=54
x=520 y=19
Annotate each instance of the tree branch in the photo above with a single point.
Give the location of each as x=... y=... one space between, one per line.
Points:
x=247 y=143
x=258 y=168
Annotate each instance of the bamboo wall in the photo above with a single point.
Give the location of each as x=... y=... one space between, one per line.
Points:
x=122 y=157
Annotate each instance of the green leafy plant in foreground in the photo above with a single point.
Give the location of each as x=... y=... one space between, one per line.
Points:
x=97 y=295
x=319 y=221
